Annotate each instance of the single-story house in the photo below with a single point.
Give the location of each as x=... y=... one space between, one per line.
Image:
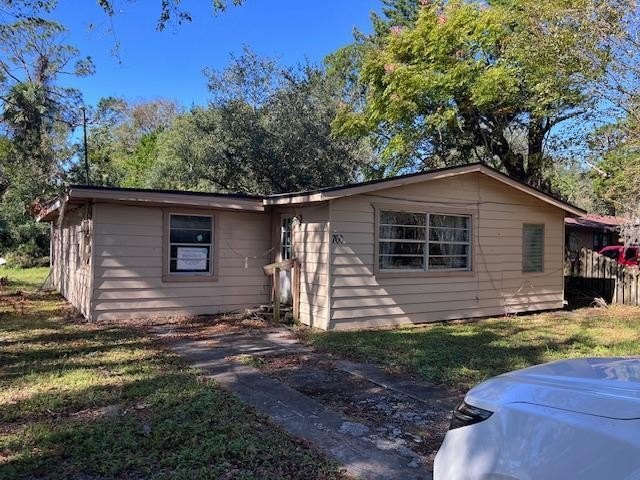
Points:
x=591 y=231
x=452 y=243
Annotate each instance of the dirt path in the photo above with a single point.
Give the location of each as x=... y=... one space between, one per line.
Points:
x=391 y=420
x=378 y=425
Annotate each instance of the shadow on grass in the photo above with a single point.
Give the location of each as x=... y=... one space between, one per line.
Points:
x=100 y=402
x=184 y=429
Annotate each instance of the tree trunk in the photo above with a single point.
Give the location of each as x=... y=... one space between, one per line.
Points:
x=538 y=129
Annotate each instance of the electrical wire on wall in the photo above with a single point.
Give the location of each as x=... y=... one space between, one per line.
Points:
x=247 y=257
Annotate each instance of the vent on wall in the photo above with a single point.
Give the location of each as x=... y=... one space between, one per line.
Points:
x=532 y=248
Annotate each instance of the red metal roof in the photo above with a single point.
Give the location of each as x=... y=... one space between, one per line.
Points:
x=591 y=220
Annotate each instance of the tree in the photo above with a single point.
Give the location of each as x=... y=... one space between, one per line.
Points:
x=122 y=140
x=266 y=130
x=617 y=174
x=465 y=81
x=37 y=117
x=170 y=11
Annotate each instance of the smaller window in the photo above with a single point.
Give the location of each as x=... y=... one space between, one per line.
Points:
x=532 y=248
x=601 y=240
x=286 y=240
x=190 y=244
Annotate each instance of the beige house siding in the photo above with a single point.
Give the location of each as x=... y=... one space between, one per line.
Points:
x=361 y=298
x=71 y=269
x=129 y=261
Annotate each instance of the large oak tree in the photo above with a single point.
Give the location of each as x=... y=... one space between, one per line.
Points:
x=451 y=82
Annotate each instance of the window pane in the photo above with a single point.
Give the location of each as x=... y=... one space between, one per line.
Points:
x=450 y=221
x=402 y=233
x=403 y=218
x=533 y=248
x=189 y=259
x=439 y=234
x=191 y=221
x=190 y=236
x=440 y=263
x=401 y=248
x=445 y=249
x=401 y=263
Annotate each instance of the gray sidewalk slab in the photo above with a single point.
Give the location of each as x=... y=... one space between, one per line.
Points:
x=300 y=415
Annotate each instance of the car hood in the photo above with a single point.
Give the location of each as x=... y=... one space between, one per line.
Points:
x=606 y=387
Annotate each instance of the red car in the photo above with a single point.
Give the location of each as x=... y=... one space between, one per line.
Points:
x=628 y=256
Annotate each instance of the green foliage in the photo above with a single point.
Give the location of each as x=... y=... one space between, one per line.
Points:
x=26 y=256
x=137 y=166
x=617 y=175
x=38 y=115
x=122 y=141
x=470 y=81
x=267 y=130
x=572 y=182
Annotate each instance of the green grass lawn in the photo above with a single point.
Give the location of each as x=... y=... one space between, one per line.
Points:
x=25 y=278
x=463 y=354
x=104 y=402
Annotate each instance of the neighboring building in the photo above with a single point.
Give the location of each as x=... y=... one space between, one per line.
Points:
x=452 y=243
x=593 y=232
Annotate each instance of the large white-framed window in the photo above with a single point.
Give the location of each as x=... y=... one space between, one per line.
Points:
x=418 y=241
x=190 y=244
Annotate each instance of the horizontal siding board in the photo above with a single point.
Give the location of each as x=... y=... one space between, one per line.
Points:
x=458 y=296
x=163 y=293
x=131 y=313
x=157 y=283
x=399 y=320
x=132 y=230
x=430 y=307
x=425 y=288
x=182 y=302
x=370 y=281
x=105 y=240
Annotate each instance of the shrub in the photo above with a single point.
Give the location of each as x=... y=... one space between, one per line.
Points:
x=26 y=256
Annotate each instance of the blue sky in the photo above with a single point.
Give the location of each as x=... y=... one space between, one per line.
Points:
x=169 y=64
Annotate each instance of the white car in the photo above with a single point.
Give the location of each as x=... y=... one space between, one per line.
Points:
x=570 y=419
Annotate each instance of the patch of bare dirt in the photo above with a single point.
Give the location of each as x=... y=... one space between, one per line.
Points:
x=203 y=326
x=389 y=420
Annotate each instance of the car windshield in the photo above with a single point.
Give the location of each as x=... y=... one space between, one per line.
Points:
x=630 y=253
x=613 y=254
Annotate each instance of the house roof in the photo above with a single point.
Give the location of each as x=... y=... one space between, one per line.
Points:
x=137 y=196
x=324 y=194
x=230 y=201
x=590 y=220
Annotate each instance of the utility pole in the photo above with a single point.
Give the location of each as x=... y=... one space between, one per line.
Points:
x=86 y=148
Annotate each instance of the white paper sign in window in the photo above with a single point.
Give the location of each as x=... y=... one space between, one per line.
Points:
x=192 y=259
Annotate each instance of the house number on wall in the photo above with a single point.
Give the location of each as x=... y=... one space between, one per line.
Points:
x=337 y=239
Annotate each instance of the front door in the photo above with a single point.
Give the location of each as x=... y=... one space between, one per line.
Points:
x=286 y=253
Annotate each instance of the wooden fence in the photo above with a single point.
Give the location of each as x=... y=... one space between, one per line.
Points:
x=592 y=275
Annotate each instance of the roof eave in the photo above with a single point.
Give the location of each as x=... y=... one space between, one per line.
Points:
x=330 y=194
x=168 y=199
x=51 y=213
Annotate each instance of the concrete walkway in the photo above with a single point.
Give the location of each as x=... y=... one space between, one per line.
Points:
x=300 y=415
